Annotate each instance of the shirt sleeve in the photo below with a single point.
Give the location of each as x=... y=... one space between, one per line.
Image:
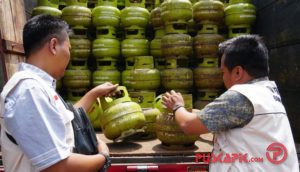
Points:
x=36 y=125
x=230 y=110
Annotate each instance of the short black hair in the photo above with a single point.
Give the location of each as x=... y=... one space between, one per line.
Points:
x=247 y=51
x=41 y=29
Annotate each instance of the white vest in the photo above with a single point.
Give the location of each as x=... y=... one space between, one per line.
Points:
x=269 y=125
x=13 y=157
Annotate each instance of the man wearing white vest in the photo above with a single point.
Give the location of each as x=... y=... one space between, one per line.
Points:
x=36 y=129
x=250 y=123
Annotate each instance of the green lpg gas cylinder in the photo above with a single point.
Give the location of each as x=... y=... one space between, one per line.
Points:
x=134 y=14
x=155 y=44
x=106 y=14
x=106 y=72
x=121 y=117
x=77 y=14
x=170 y=134
x=208 y=12
x=77 y=78
x=126 y=74
x=174 y=77
x=177 y=46
x=47 y=7
x=144 y=76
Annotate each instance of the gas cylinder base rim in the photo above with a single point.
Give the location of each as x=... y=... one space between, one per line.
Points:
x=127 y=133
x=142 y=137
x=178 y=147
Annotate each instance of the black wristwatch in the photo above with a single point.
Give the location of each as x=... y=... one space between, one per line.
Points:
x=175 y=108
x=107 y=162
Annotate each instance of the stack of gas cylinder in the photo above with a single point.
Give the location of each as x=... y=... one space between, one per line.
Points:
x=77 y=79
x=208 y=14
x=176 y=45
x=47 y=7
x=111 y=43
x=106 y=46
x=239 y=16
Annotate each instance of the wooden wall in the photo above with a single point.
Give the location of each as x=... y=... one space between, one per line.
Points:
x=278 y=21
x=12 y=20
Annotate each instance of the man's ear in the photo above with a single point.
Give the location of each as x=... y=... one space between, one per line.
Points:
x=53 y=46
x=238 y=72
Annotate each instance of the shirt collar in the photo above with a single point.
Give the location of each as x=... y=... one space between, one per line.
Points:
x=264 y=78
x=39 y=72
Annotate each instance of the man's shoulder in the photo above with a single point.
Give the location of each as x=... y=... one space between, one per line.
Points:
x=26 y=85
x=232 y=95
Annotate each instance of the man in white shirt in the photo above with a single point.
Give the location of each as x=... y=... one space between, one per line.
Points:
x=34 y=115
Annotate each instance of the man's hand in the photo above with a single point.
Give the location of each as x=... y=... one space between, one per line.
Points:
x=170 y=100
x=105 y=89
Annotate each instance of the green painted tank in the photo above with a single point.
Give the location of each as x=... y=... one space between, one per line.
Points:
x=144 y=76
x=80 y=47
x=211 y=61
x=77 y=14
x=208 y=77
x=106 y=14
x=126 y=74
x=240 y=14
x=159 y=105
x=121 y=117
x=174 y=77
x=155 y=17
x=121 y=4
x=207 y=44
x=150 y=125
x=178 y=46
x=62 y=4
x=134 y=47
x=134 y=14
x=237 y=30
x=144 y=98
x=75 y=94
x=149 y=5
x=192 y=28
x=106 y=44
x=169 y=133
x=176 y=10
x=134 y=32
x=155 y=44
x=160 y=63
x=204 y=97
x=59 y=84
x=47 y=7
x=208 y=12
x=78 y=64
x=176 y=27
x=106 y=72
x=91 y=4
x=77 y=78
x=94 y=114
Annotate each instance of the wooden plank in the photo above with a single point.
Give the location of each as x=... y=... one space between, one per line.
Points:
x=6 y=18
x=19 y=19
x=154 y=148
x=13 y=47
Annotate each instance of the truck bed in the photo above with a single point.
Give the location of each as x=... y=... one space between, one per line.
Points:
x=151 y=151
